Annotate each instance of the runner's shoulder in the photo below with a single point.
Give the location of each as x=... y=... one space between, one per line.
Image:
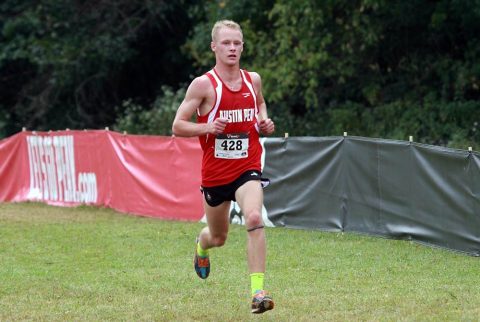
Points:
x=256 y=79
x=201 y=82
x=200 y=86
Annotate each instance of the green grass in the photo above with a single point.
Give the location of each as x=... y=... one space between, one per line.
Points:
x=66 y=264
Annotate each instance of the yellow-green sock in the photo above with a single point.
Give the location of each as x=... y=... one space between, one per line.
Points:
x=200 y=251
x=256 y=280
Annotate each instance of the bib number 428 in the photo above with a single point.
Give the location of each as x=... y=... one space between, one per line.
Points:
x=231 y=146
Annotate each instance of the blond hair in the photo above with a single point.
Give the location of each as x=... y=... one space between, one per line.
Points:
x=224 y=23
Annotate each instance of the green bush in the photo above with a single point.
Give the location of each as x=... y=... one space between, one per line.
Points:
x=451 y=124
x=156 y=119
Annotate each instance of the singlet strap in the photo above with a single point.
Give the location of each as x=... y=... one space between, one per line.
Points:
x=248 y=81
x=217 y=85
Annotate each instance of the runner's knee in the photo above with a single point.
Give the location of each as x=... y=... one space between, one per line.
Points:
x=253 y=219
x=218 y=240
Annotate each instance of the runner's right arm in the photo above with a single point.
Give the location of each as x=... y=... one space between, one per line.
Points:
x=197 y=94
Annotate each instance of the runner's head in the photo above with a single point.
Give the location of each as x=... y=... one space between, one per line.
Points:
x=224 y=24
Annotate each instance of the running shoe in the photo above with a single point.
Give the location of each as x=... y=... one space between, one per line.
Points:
x=201 y=264
x=261 y=302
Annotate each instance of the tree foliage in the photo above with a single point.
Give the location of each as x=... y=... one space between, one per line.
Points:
x=69 y=63
x=139 y=119
x=370 y=67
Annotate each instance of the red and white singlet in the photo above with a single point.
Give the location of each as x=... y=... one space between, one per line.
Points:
x=237 y=149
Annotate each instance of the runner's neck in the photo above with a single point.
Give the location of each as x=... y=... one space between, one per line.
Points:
x=229 y=75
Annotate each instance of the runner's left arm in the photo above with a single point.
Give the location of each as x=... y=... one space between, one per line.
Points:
x=265 y=124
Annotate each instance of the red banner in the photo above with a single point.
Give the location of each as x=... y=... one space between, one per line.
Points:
x=145 y=175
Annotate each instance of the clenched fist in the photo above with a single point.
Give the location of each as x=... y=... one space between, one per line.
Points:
x=218 y=126
x=266 y=126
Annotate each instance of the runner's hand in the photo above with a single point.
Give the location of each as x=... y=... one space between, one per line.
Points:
x=218 y=126
x=266 y=126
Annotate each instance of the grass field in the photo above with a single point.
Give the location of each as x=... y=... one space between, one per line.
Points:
x=71 y=264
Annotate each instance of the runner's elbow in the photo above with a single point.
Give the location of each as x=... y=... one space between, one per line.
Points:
x=176 y=129
x=181 y=128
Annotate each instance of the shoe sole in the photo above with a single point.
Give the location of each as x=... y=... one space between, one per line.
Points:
x=266 y=305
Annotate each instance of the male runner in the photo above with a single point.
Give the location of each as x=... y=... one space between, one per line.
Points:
x=231 y=112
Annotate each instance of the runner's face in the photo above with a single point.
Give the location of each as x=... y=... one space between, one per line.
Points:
x=228 y=45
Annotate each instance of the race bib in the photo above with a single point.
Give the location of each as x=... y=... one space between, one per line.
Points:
x=231 y=146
